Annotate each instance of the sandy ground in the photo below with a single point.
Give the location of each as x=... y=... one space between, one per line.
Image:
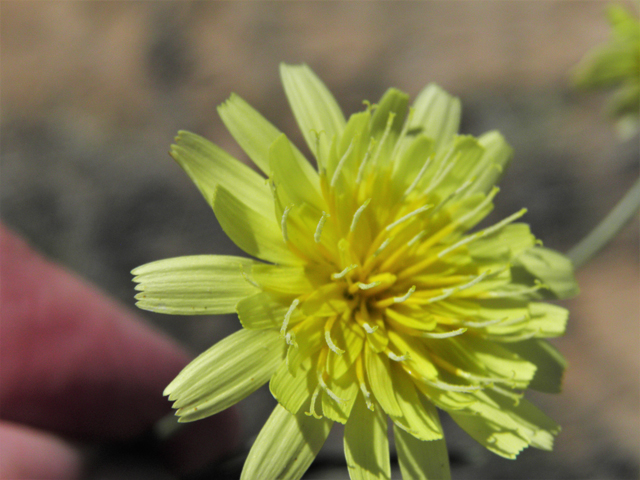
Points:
x=93 y=93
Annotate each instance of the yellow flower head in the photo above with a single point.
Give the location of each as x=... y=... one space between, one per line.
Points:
x=370 y=297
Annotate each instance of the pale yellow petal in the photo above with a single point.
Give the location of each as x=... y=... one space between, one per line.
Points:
x=286 y=446
x=226 y=373
x=421 y=460
x=195 y=285
x=366 y=444
x=254 y=230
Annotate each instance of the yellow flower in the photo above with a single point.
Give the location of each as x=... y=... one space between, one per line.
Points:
x=370 y=298
x=617 y=64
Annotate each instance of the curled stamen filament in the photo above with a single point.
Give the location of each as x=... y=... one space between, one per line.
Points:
x=327 y=336
x=321 y=222
x=363 y=384
x=516 y=397
x=312 y=406
x=406 y=217
x=451 y=387
x=405 y=296
x=322 y=359
x=387 y=302
x=514 y=293
x=453 y=333
x=418 y=177
x=367 y=286
x=363 y=164
x=336 y=173
x=395 y=357
x=283 y=223
x=287 y=316
x=337 y=276
x=483 y=233
x=249 y=279
x=356 y=215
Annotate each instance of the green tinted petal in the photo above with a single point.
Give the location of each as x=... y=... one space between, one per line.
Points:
x=262 y=310
x=309 y=336
x=444 y=399
x=347 y=390
x=495 y=159
x=505 y=443
x=547 y=319
x=226 y=373
x=436 y=115
x=195 y=285
x=350 y=339
x=393 y=102
x=505 y=427
x=286 y=280
x=539 y=429
x=379 y=376
x=295 y=175
x=208 y=165
x=418 y=355
x=550 y=363
x=253 y=230
x=503 y=245
x=463 y=156
x=418 y=418
x=251 y=130
x=313 y=105
x=292 y=391
x=353 y=143
x=421 y=460
x=551 y=268
x=481 y=357
x=366 y=444
x=407 y=167
x=286 y=446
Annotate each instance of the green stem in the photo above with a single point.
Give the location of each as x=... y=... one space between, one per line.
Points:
x=586 y=249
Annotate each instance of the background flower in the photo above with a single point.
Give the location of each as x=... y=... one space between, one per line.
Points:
x=92 y=94
x=616 y=65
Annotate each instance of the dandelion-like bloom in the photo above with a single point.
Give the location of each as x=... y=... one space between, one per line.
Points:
x=616 y=63
x=371 y=298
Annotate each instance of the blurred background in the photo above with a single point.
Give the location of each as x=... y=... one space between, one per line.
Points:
x=94 y=92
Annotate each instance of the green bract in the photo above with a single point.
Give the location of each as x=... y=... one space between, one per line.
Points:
x=370 y=298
